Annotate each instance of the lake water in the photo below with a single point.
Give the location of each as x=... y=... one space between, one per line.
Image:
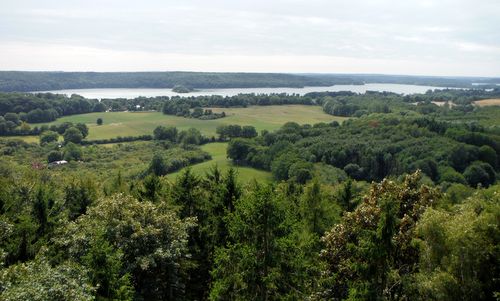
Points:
x=133 y=93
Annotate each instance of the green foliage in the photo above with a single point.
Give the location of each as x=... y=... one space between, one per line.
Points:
x=329 y=174
x=43 y=107
x=248 y=131
x=73 y=135
x=158 y=167
x=316 y=211
x=12 y=117
x=197 y=112
x=354 y=171
x=37 y=280
x=186 y=193
x=181 y=89
x=191 y=136
x=488 y=154
x=345 y=196
x=165 y=133
x=249 y=242
x=99 y=121
x=350 y=104
x=234 y=131
x=152 y=239
x=78 y=196
x=480 y=173
x=257 y=264
x=48 y=137
x=369 y=148
x=457 y=193
x=82 y=127
x=105 y=263
x=370 y=254
x=450 y=175
x=175 y=159
x=301 y=171
x=54 y=156
x=238 y=149
x=459 y=250
x=72 y=152
x=151 y=188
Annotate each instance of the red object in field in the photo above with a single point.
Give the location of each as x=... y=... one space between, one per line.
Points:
x=37 y=165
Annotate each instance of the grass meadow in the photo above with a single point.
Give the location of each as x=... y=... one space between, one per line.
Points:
x=140 y=123
x=218 y=152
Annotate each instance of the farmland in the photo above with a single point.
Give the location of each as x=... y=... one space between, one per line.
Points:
x=488 y=102
x=139 y=123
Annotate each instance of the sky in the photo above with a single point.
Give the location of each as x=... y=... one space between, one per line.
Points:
x=416 y=37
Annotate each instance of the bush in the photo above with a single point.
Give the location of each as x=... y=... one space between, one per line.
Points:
x=487 y=154
x=479 y=173
x=354 y=171
x=54 y=156
x=118 y=140
x=158 y=166
x=191 y=136
x=13 y=117
x=73 y=135
x=72 y=152
x=448 y=174
x=165 y=133
x=301 y=171
x=248 y=131
x=48 y=136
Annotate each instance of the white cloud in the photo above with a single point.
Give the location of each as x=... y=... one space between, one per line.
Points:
x=475 y=47
x=404 y=35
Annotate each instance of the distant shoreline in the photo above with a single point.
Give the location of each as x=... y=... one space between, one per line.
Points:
x=130 y=93
x=24 y=81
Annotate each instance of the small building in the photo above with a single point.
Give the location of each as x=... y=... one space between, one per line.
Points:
x=58 y=163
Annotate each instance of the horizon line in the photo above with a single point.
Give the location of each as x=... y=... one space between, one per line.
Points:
x=254 y=72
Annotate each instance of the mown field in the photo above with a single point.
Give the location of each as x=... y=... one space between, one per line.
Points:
x=139 y=123
x=488 y=102
x=218 y=152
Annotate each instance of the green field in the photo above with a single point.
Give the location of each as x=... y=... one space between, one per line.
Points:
x=140 y=123
x=218 y=152
x=29 y=139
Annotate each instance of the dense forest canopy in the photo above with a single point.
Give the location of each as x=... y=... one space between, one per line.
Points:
x=40 y=81
x=374 y=147
x=209 y=237
x=22 y=81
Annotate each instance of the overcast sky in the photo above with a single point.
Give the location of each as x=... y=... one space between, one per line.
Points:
x=425 y=37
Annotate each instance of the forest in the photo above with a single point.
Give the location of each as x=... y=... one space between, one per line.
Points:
x=373 y=148
x=399 y=201
x=16 y=81
x=22 y=81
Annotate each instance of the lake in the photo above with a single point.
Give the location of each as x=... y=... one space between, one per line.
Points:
x=133 y=93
